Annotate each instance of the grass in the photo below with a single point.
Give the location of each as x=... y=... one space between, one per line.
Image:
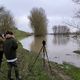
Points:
x=26 y=59
x=69 y=70
x=20 y=34
x=72 y=71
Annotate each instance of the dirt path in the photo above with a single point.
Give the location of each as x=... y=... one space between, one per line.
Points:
x=61 y=74
x=58 y=72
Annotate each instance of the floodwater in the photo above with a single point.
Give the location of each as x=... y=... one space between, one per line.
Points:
x=59 y=48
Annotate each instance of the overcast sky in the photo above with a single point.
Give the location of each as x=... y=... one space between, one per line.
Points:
x=57 y=11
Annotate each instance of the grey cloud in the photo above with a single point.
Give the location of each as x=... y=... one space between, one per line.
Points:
x=22 y=7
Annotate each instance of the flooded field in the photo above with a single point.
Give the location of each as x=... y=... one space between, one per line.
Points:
x=59 y=48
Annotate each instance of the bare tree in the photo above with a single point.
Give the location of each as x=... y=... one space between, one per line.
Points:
x=76 y=1
x=38 y=21
x=6 y=20
x=55 y=29
x=60 y=29
x=75 y=22
x=77 y=14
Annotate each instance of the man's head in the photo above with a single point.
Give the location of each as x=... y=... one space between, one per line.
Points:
x=8 y=34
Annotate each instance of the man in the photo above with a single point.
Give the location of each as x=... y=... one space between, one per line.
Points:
x=10 y=46
x=1 y=49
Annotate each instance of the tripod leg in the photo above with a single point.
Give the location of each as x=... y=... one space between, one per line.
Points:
x=43 y=57
x=48 y=62
x=36 y=58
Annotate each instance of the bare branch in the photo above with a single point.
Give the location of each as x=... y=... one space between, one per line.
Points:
x=76 y=1
x=73 y=25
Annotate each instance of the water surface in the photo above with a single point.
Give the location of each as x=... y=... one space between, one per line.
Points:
x=59 y=48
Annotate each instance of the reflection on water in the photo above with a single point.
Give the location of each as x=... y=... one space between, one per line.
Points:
x=59 y=48
x=77 y=41
x=60 y=39
x=37 y=43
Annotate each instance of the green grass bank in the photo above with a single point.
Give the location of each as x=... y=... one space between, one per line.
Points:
x=20 y=34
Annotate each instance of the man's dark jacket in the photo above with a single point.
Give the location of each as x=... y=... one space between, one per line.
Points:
x=1 y=44
x=10 y=46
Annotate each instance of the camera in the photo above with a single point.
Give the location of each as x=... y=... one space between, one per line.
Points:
x=44 y=42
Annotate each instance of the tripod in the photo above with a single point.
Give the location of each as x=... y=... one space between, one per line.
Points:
x=44 y=55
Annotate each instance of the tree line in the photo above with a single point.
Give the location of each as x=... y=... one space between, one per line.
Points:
x=37 y=19
x=60 y=29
